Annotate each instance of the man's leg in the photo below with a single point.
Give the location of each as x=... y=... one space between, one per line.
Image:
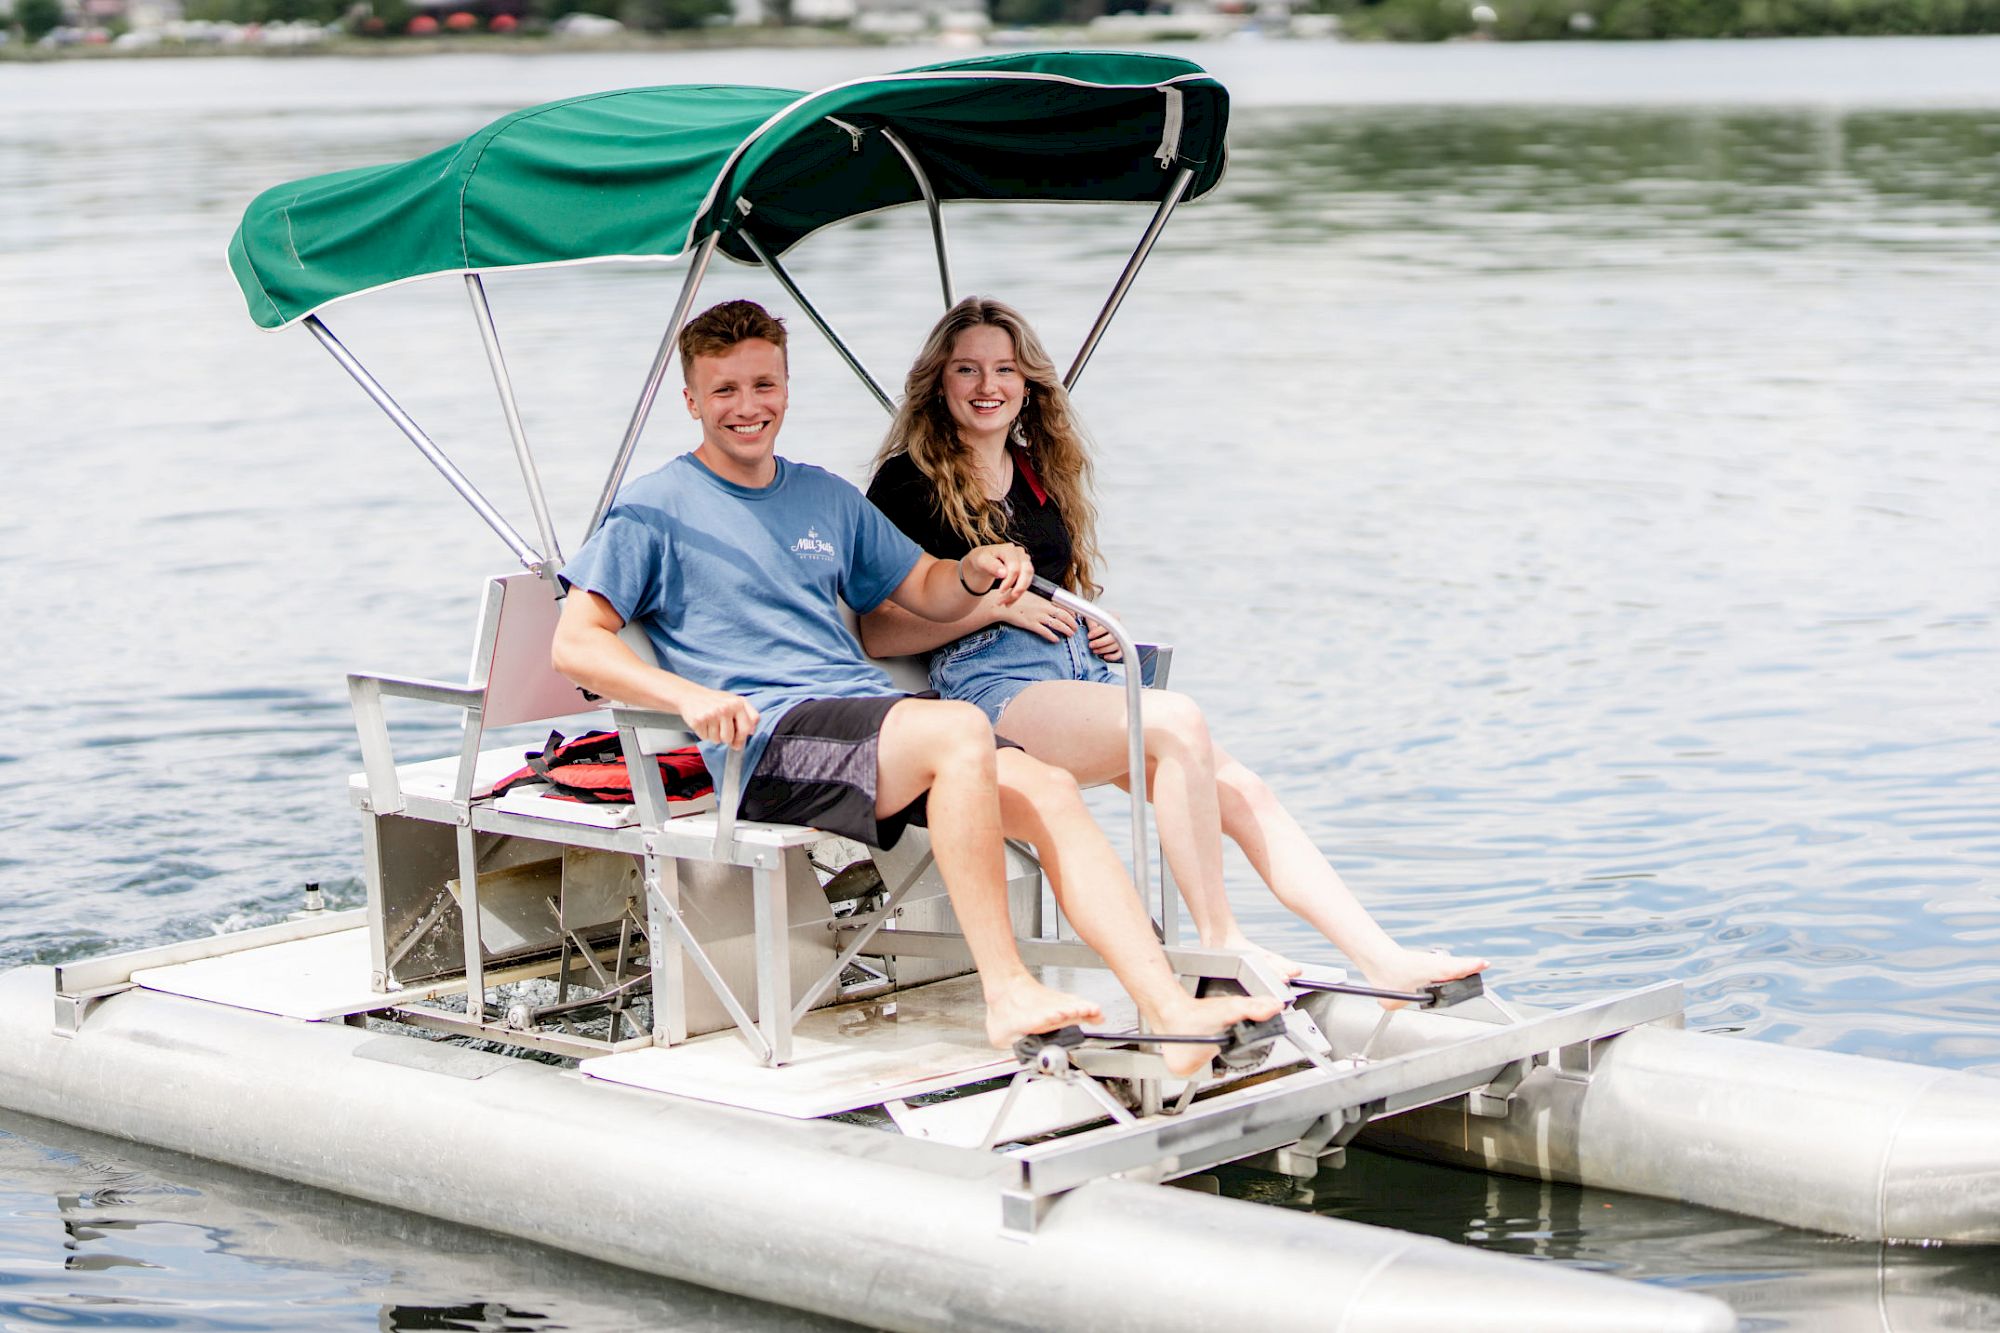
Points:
x=946 y=750
x=1041 y=804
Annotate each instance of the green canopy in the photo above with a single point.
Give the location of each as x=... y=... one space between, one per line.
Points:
x=650 y=172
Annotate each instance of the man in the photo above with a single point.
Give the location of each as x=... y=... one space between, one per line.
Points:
x=734 y=562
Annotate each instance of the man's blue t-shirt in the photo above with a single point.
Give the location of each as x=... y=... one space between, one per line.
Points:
x=739 y=588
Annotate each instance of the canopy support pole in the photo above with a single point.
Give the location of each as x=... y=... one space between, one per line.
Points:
x=669 y=347
x=930 y=202
x=527 y=554
x=770 y=261
x=1117 y=298
x=489 y=334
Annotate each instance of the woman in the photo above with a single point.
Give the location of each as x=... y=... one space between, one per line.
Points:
x=984 y=449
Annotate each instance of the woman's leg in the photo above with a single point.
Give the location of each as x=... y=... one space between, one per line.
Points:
x=1080 y=726
x=1303 y=880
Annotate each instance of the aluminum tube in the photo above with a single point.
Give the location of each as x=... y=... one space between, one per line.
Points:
x=669 y=347
x=770 y=261
x=1838 y=1143
x=1135 y=733
x=489 y=335
x=1124 y=284
x=930 y=202
x=834 y=1218
x=459 y=481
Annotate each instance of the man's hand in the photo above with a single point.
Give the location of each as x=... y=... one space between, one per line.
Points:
x=1102 y=643
x=1038 y=615
x=1006 y=566
x=716 y=716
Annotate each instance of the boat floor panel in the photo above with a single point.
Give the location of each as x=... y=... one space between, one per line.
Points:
x=319 y=978
x=925 y=1039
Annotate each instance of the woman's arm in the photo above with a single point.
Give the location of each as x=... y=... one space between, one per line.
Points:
x=890 y=631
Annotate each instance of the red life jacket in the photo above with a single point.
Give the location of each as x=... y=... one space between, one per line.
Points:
x=591 y=769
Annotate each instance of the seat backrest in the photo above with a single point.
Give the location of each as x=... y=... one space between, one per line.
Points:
x=510 y=657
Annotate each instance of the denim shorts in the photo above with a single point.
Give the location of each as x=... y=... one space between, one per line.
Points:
x=988 y=667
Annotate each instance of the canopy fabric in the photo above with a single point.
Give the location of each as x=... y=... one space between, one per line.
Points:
x=648 y=173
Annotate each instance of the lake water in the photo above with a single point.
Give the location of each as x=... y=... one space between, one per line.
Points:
x=1567 y=472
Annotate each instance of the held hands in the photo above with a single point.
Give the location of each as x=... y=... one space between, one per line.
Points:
x=716 y=716
x=1005 y=566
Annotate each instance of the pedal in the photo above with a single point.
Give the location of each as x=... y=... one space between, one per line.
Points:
x=1458 y=990
x=1248 y=1043
x=1033 y=1049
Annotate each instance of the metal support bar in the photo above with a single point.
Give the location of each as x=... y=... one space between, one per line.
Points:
x=528 y=556
x=1135 y=738
x=1261 y=1117
x=770 y=261
x=745 y=1025
x=489 y=335
x=771 y=911
x=923 y=180
x=865 y=930
x=1124 y=284
x=669 y=347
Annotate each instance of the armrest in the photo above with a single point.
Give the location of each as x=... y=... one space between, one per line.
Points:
x=646 y=732
x=1155 y=660
x=378 y=755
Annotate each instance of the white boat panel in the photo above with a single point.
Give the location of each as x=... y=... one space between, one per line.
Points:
x=848 y=1056
x=323 y=977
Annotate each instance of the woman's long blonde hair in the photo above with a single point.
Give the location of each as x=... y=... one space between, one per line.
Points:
x=1056 y=445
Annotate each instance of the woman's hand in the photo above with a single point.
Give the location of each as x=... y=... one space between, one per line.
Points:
x=1038 y=615
x=1103 y=644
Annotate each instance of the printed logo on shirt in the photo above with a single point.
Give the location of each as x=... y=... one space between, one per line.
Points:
x=812 y=546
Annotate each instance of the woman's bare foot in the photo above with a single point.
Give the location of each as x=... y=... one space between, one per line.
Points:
x=1414 y=969
x=1023 y=1006
x=1189 y=1015
x=1277 y=962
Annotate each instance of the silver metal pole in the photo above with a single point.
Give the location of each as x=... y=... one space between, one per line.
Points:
x=459 y=482
x=1135 y=744
x=930 y=202
x=1160 y=216
x=770 y=262
x=669 y=346
x=490 y=335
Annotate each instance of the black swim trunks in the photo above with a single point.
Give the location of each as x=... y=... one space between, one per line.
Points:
x=819 y=769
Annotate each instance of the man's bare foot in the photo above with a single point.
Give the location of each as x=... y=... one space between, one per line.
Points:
x=1414 y=969
x=1018 y=1008
x=1189 y=1015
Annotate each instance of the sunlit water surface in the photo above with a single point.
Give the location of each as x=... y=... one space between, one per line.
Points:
x=1568 y=474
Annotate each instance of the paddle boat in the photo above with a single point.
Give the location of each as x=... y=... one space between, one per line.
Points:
x=751 y=1056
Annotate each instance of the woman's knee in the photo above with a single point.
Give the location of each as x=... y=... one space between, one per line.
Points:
x=1175 y=725
x=1236 y=785
x=1043 y=785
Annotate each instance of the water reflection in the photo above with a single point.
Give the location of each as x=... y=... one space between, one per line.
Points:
x=99 y=1233
x=1773 y=1276
x=1686 y=179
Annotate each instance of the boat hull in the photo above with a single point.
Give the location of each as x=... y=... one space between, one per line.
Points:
x=1858 y=1147
x=834 y=1218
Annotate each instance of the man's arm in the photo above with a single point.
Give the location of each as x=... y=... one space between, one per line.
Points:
x=946 y=591
x=588 y=650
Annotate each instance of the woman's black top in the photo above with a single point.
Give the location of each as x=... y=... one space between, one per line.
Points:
x=906 y=495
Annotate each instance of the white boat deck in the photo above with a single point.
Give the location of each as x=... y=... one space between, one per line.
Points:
x=319 y=978
x=916 y=1041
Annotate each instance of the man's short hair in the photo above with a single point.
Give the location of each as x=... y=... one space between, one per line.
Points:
x=720 y=327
